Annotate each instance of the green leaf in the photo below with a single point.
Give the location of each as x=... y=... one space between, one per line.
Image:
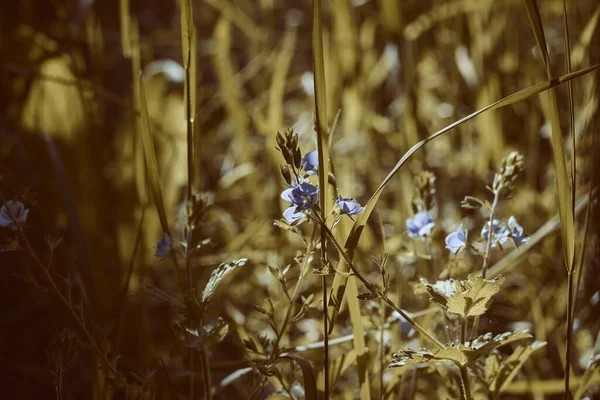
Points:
x=468 y=298
x=460 y=354
x=151 y=162
x=473 y=296
x=339 y=283
x=310 y=383
x=563 y=184
x=217 y=276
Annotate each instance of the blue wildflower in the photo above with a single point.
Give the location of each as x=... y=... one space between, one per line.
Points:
x=516 y=232
x=349 y=206
x=310 y=163
x=499 y=234
x=18 y=212
x=163 y=247
x=420 y=225
x=291 y=215
x=304 y=196
x=456 y=240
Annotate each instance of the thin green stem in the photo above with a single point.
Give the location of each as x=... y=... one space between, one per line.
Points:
x=205 y=361
x=486 y=255
x=325 y=338
x=463 y=330
x=191 y=387
x=464 y=380
x=381 y=350
x=432 y=262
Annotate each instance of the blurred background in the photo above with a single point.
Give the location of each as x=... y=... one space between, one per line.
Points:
x=397 y=71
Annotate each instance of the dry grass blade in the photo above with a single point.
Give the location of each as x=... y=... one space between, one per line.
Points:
x=151 y=162
x=339 y=282
x=310 y=383
x=323 y=152
x=563 y=186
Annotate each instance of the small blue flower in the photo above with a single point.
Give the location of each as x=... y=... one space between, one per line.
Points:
x=420 y=225
x=18 y=211
x=349 y=206
x=516 y=232
x=163 y=247
x=291 y=215
x=456 y=240
x=499 y=235
x=310 y=163
x=304 y=196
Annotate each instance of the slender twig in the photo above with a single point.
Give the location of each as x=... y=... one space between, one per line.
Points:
x=61 y=296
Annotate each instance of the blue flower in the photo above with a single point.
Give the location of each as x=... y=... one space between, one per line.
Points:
x=18 y=211
x=420 y=225
x=163 y=247
x=291 y=215
x=456 y=240
x=349 y=206
x=516 y=232
x=310 y=163
x=499 y=235
x=304 y=196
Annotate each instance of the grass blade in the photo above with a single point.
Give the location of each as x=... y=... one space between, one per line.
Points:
x=323 y=151
x=151 y=162
x=310 y=383
x=339 y=282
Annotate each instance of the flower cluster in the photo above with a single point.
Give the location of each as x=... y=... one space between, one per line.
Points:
x=500 y=232
x=297 y=172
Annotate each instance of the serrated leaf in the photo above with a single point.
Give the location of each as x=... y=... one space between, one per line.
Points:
x=461 y=354
x=217 y=276
x=473 y=296
x=467 y=298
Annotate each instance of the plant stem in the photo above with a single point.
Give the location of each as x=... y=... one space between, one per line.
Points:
x=191 y=388
x=464 y=380
x=463 y=330
x=204 y=360
x=488 y=246
x=381 y=350
x=486 y=255
x=570 y=310
x=325 y=337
